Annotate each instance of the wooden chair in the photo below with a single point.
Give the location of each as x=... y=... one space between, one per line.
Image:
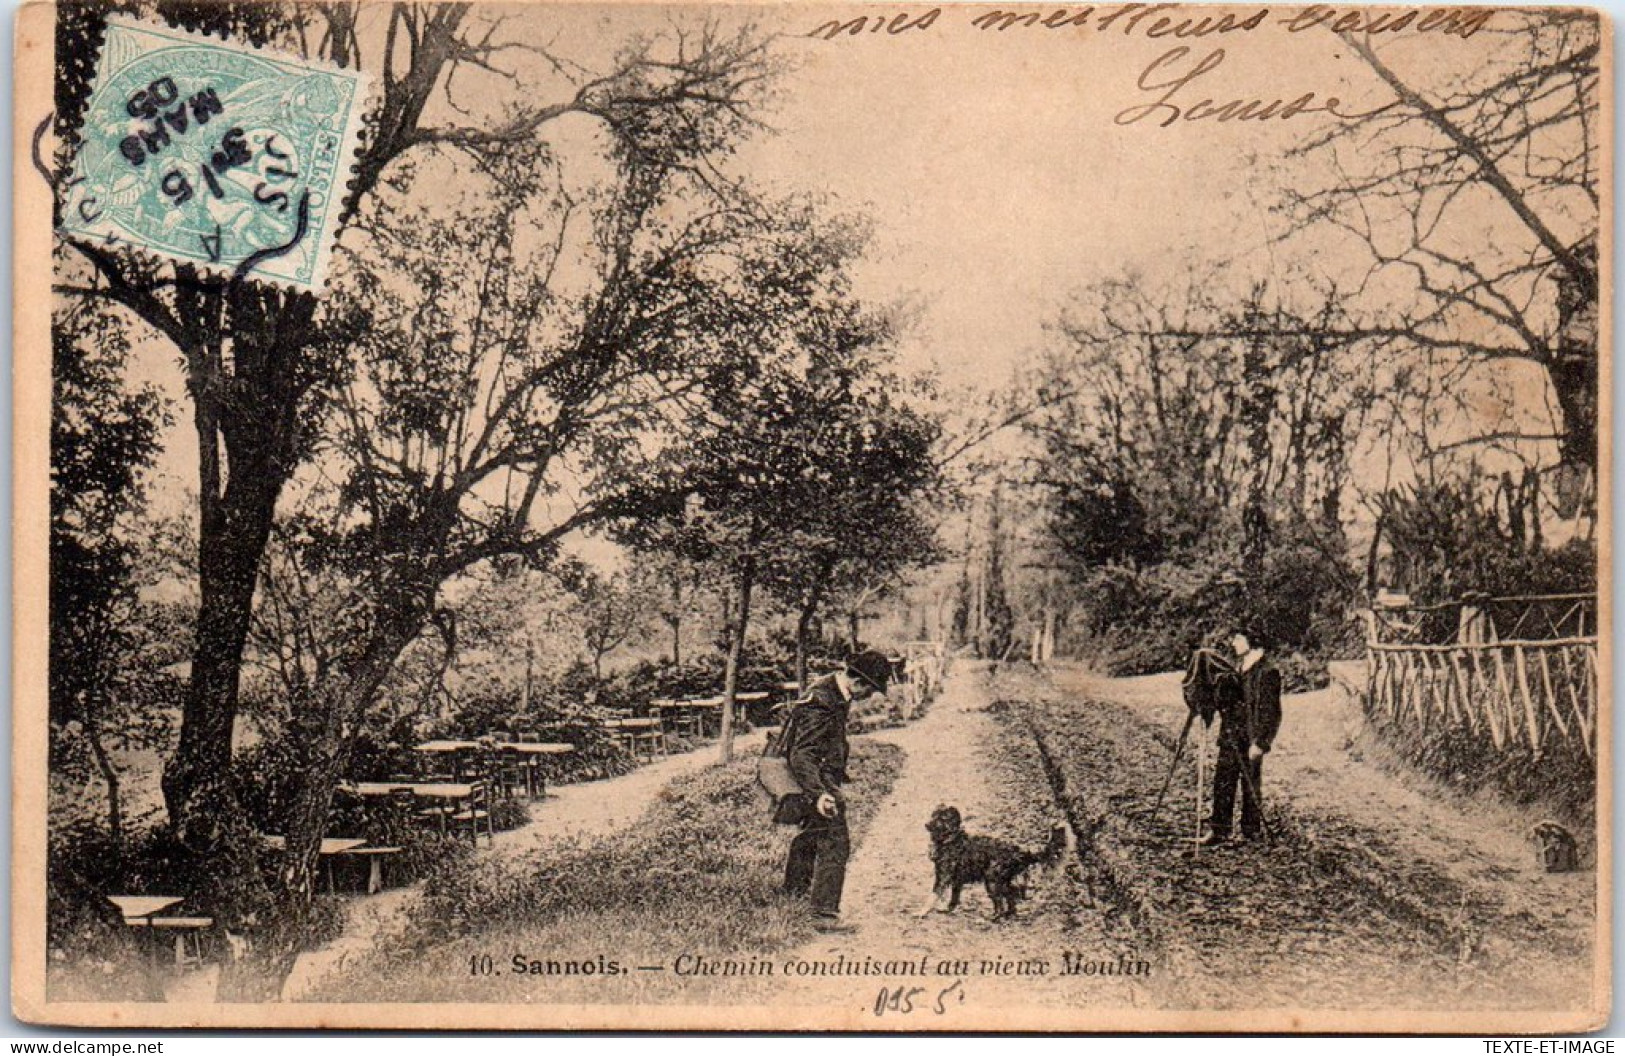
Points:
x=507 y=773
x=474 y=812
x=435 y=811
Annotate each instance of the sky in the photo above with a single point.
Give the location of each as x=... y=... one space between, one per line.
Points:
x=992 y=163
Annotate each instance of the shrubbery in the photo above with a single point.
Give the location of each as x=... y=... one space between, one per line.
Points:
x=705 y=847
x=1562 y=780
x=1300 y=593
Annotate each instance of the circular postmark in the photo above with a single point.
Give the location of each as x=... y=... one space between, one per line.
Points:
x=214 y=153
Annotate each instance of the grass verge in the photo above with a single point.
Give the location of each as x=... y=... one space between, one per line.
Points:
x=698 y=874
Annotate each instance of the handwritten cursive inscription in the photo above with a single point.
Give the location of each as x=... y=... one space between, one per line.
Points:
x=1129 y=18
x=1163 y=76
x=1460 y=22
x=891 y=24
x=1156 y=21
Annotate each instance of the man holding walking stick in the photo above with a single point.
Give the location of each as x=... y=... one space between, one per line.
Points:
x=1247 y=728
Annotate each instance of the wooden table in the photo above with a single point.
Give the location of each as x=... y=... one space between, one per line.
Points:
x=376 y=789
x=139 y=907
x=686 y=718
x=533 y=753
x=422 y=789
x=454 y=791
x=708 y=705
x=458 y=750
x=332 y=846
x=374 y=856
x=141 y=911
x=634 y=730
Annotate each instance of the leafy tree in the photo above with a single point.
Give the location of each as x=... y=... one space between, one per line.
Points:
x=673 y=587
x=506 y=391
x=260 y=360
x=1200 y=448
x=869 y=521
x=1182 y=419
x=817 y=458
x=611 y=613
x=999 y=626
x=107 y=648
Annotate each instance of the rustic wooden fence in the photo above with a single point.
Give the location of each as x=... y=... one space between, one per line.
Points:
x=1539 y=694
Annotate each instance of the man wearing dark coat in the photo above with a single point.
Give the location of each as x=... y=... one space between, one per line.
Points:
x=1247 y=729
x=817 y=753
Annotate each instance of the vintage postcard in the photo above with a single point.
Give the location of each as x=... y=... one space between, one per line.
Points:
x=699 y=516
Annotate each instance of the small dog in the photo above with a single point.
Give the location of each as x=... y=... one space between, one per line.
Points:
x=965 y=859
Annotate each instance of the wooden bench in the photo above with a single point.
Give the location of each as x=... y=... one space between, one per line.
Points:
x=374 y=857
x=188 y=932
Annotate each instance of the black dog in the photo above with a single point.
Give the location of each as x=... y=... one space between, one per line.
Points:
x=965 y=859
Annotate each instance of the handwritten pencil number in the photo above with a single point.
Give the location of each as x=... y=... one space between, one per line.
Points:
x=903 y=1000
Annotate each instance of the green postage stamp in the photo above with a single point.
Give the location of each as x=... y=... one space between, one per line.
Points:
x=215 y=153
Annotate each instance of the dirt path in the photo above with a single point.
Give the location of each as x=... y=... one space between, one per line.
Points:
x=1379 y=891
x=579 y=811
x=962 y=753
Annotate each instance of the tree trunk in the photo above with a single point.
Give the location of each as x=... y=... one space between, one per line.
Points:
x=676 y=621
x=1372 y=554
x=115 y=811
x=530 y=668
x=736 y=652
x=232 y=538
x=249 y=427
x=804 y=621
x=327 y=731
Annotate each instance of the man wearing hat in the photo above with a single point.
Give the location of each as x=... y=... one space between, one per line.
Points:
x=817 y=754
x=1247 y=729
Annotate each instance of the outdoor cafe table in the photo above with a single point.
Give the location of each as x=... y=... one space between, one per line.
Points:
x=140 y=907
x=629 y=729
x=455 y=791
x=707 y=705
x=452 y=790
x=531 y=754
x=531 y=751
x=141 y=911
x=331 y=847
x=685 y=716
x=455 y=749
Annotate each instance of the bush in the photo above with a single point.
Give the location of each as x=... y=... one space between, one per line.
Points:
x=1445 y=542
x=1300 y=593
x=1562 y=781
x=704 y=849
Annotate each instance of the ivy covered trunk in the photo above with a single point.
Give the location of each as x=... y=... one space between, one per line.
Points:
x=248 y=400
x=231 y=543
x=327 y=730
